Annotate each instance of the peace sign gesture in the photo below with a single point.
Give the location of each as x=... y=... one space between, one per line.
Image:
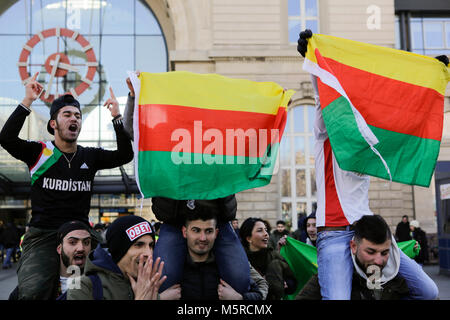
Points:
x=112 y=104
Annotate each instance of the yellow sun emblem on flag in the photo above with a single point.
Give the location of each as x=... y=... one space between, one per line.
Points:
x=47 y=152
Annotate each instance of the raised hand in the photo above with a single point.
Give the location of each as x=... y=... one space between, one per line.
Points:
x=148 y=281
x=112 y=104
x=130 y=85
x=33 y=90
x=302 y=43
x=443 y=59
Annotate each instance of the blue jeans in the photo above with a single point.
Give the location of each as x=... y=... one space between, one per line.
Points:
x=421 y=286
x=9 y=254
x=231 y=258
x=335 y=269
x=335 y=264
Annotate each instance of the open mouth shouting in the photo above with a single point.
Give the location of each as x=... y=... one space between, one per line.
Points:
x=73 y=128
x=79 y=259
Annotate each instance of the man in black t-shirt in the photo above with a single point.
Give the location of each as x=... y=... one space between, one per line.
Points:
x=62 y=175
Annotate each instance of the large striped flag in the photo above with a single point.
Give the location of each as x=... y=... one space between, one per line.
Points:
x=382 y=108
x=205 y=136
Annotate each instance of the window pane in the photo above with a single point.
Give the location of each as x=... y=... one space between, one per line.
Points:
x=300 y=183
x=286 y=211
x=285 y=151
x=311 y=141
x=313 y=182
x=47 y=14
x=416 y=34
x=285 y=183
x=299 y=145
x=11 y=86
x=311 y=8
x=313 y=25
x=113 y=62
x=299 y=121
x=91 y=124
x=13 y=20
x=311 y=118
x=397 y=33
x=294 y=30
x=433 y=35
x=146 y=22
x=301 y=208
x=287 y=128
x=294 y=7
x=151 y=54
x=84 y=16
x=447 y=34
x=117 y=17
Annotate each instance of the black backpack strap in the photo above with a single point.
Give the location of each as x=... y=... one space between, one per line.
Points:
x=97 y=287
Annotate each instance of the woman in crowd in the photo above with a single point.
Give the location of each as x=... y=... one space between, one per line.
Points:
x=269 y=263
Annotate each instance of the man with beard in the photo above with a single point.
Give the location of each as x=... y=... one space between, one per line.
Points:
x=62 y=175
x=126 y=271
x=75 y=242
x=74 y=245
x=376 y=261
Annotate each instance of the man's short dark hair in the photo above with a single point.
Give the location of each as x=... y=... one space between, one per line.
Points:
x=202 y=211
x=281 y=222
x=372 y=228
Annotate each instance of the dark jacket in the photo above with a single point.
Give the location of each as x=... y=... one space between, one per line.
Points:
x=115 y=286
x=10 y=236
x=275 y=237
x=394 y=289
x=402 y=232
x=420 y=236
x=201 y=279
x=271 y=265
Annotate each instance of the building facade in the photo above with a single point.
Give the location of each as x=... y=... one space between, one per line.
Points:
x=251 y=39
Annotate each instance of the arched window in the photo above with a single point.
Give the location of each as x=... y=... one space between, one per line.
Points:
x=297 y=173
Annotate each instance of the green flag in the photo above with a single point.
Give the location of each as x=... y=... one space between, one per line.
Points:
x=408 y=248
x=302 y=259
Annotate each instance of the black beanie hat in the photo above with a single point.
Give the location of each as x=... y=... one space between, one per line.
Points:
x=123 y=232
x=60 y=102
x=69 y=227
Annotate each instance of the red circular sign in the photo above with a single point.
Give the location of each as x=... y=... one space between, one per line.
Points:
x=58 y=64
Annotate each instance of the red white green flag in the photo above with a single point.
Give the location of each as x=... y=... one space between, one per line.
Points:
x=383 y=108
x=205 y=136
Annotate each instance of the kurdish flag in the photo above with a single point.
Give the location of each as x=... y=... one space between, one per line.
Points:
x=205 y=136
x=302 y=259
x=382 y=108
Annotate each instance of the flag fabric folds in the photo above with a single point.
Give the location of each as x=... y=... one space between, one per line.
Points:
x=205 y=136
x=383 y=108
x=302 y=259
x=408 y=248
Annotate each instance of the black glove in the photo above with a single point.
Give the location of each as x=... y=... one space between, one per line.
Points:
x=303 y=41
x=443 y=59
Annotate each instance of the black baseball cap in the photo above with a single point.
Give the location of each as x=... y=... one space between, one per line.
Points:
x=62 y=101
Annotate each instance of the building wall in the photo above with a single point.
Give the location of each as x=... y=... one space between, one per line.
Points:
x=249 y=39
